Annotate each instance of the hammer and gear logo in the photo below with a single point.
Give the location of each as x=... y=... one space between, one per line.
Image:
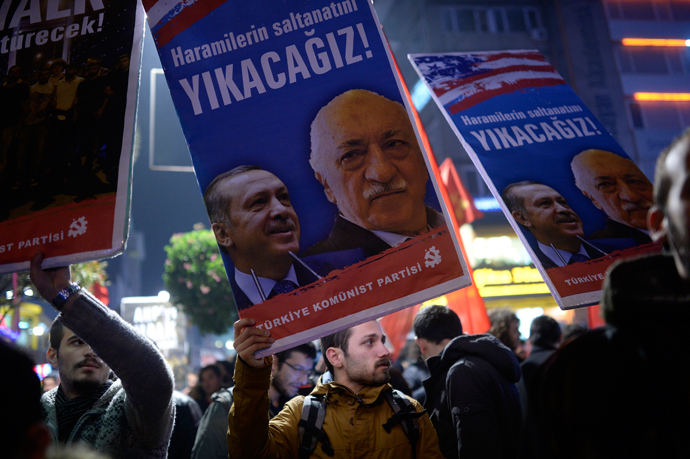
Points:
x=432 y=257
x=78 y=227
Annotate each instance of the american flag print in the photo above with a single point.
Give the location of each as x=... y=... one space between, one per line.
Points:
x=461 y=80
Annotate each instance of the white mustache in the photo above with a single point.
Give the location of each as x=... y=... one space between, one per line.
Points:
x=376 y=189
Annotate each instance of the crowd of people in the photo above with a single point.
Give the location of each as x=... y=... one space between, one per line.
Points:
x=617 y=391
x=64 y=119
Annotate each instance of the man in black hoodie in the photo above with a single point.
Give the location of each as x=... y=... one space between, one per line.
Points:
x=471 y=395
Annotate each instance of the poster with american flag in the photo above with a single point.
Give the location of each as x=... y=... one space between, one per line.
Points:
x=575 y=199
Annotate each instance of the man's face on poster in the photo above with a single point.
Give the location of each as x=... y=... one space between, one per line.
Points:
x=615 y=185
x=366 y=156
x=262 y=224
x=547 y=214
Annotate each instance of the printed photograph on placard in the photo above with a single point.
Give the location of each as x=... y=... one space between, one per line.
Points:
x=70 y=72
x=317 y=189
x=575 y=198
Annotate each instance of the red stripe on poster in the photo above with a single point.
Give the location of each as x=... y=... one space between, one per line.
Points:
x=185 y=19
x=588 y=276
x=423 y=262
x=504 y=88
x=55 y=232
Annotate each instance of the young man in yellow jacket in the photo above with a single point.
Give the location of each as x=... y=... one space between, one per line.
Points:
x=356 y=409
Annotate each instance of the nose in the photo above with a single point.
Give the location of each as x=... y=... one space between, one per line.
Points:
x=628 y=193
x=379 y=167
x=89 y=352
x=277 y=207
x=383 y=350
x=561 y=208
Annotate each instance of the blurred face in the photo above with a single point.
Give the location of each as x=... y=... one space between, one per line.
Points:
x=616 y=186
x=292 y=374
x=263 y=224
x=514 y=333
x=369 y=162
x=44 y=76
x=547 y=215
x=210 y=382
x=81 y=371
x=367 y=360
x=48 y=383
x=677 y=213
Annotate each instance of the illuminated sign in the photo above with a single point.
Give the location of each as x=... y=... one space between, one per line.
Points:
x=655 y=42
x=521 y=280
x=663 y=96
x=159 y=320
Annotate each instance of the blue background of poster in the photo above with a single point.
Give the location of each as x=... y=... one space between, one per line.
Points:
x=553 y=158
x=271 y=129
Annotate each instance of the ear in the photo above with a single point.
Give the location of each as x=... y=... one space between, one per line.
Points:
x=220 y=230
x=274 y=366
x=656 y=222
x=326 y=187
x=423 y=345
x=517 y=215
x=335 y=356
x=52 y=356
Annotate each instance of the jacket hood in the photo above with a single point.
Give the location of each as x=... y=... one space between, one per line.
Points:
x=487 y=347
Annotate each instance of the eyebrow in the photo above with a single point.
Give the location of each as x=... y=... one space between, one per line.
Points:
x=358 y=142
x=369 y=336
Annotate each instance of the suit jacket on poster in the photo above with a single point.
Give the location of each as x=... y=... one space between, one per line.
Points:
x=345 y=235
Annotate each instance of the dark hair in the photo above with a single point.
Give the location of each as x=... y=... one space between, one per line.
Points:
x=61 y=62
x=213 y=367
x=338 y=340
x=216 y=203
x=437 y=323
x=572 y=331
x=500 y=319
x=544 y=331
x=307 y=349
x=57 y=332
x=512 y=200
x=22 y=402
x=662 y=180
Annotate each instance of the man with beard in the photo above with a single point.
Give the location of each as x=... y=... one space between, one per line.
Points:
x=365 y=154
x=631 y=378
x=289 y=372
x=555 y=226
x=619 y=188
x=254 y=222
x=130 y=416
x=358 y=362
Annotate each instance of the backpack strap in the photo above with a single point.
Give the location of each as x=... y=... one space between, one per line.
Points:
x=405 y=414
x=310 y=424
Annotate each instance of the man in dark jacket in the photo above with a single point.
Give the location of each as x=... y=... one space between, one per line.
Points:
x=471 y=395
x=629 y=380
x=545 y=336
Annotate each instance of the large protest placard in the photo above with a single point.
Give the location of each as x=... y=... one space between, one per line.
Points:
x=67 y=110
x=573 y=196
x=343 y=222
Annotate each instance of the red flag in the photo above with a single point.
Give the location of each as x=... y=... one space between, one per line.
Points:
x=467 y=302
x=594 y=319
x=460 y=199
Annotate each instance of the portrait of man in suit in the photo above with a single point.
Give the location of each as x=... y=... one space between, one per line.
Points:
x=618 y=187
x=254 y=222
x=556 y=227
x=365 y=154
